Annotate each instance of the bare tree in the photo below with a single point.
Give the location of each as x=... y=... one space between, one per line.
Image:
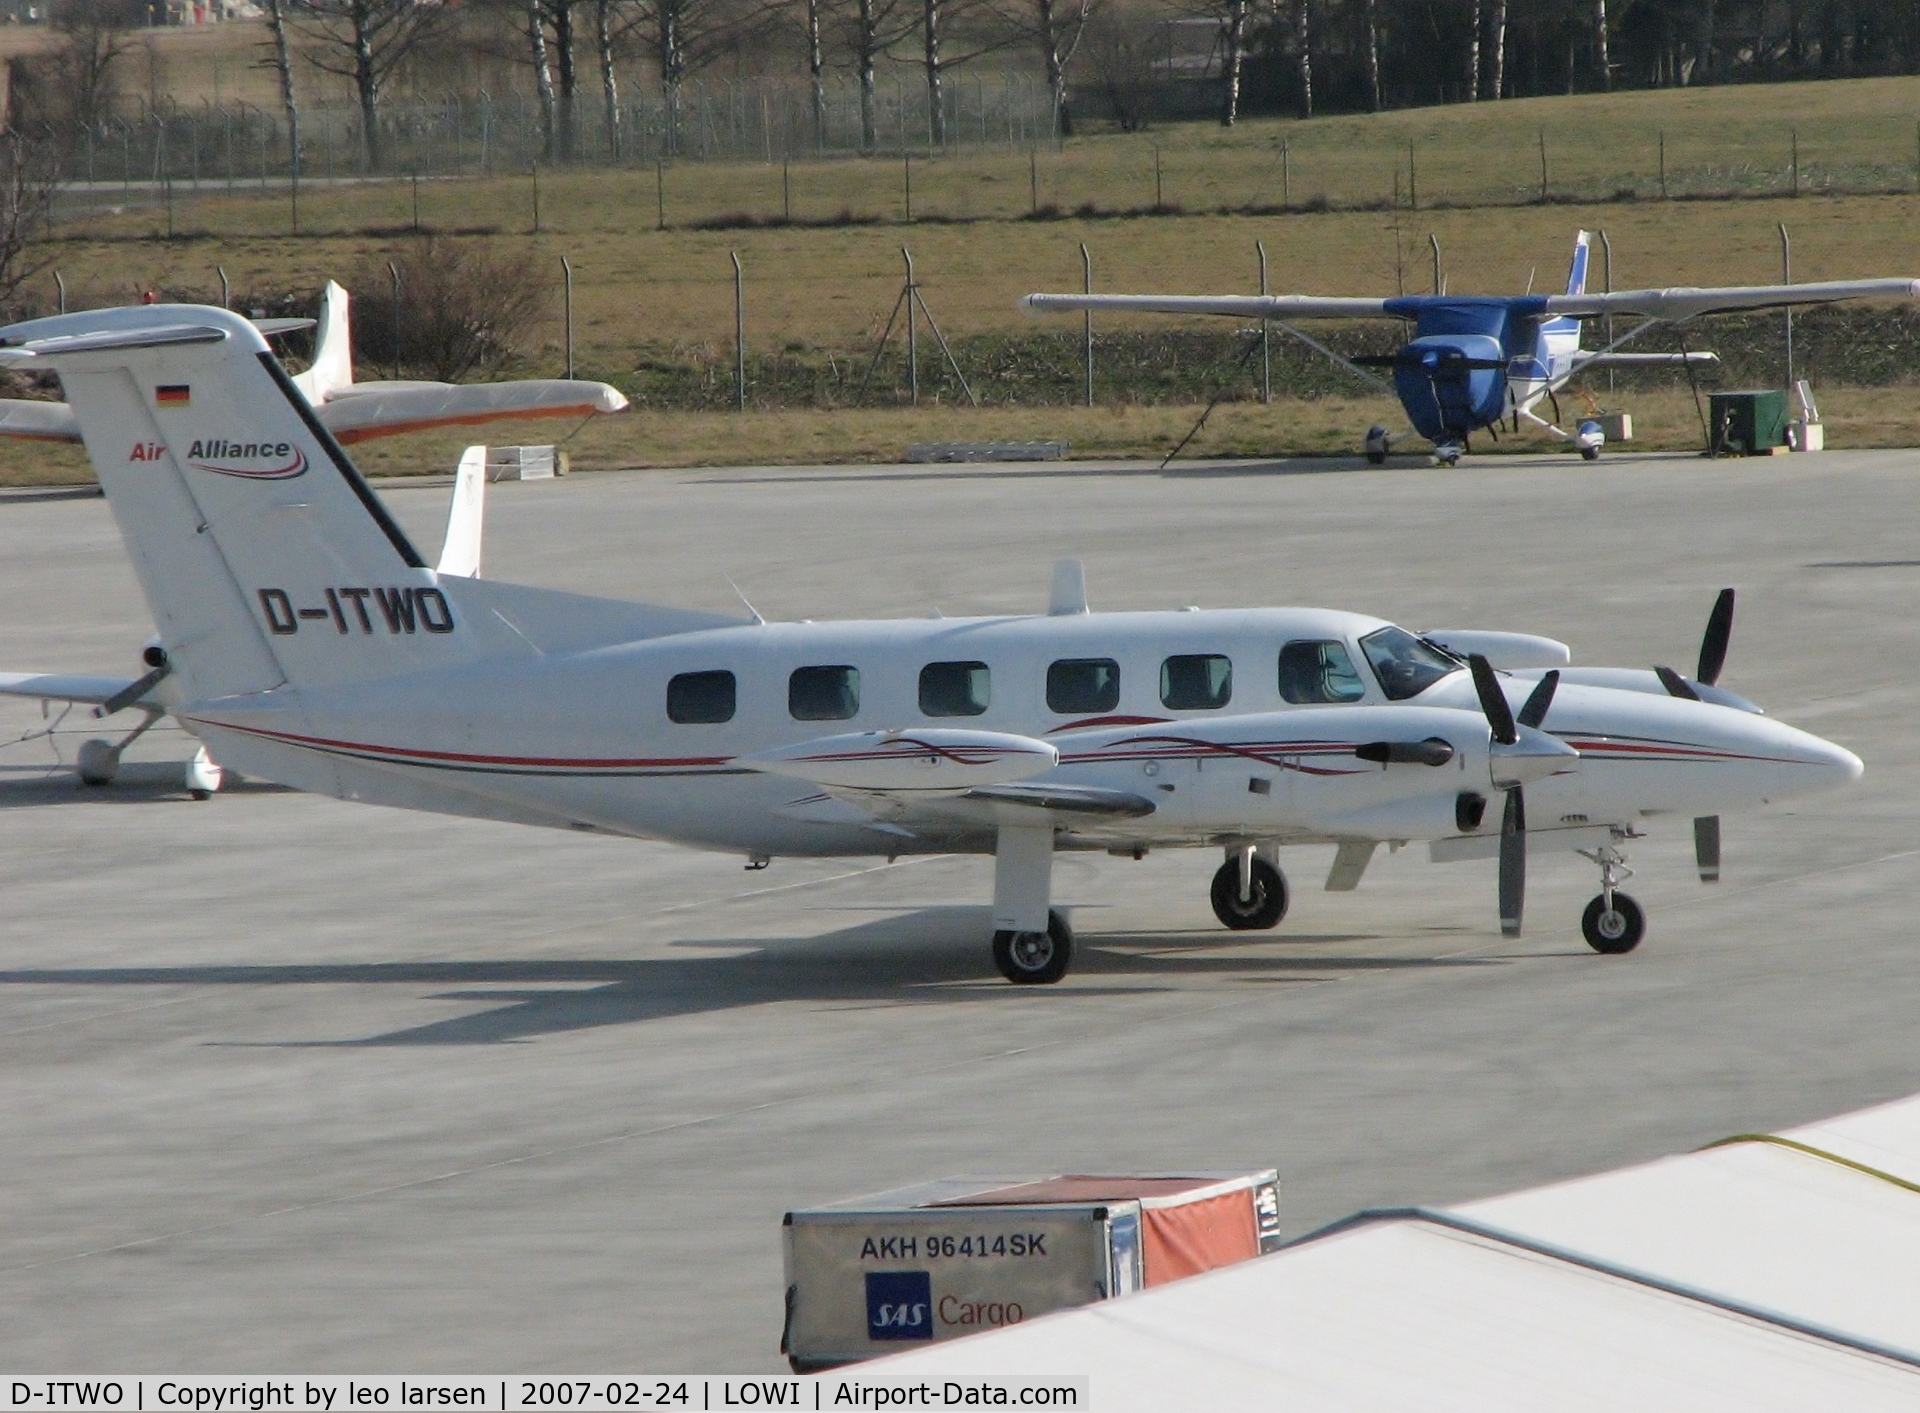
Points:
x=462 y=309
x=282 y=64
x=1058 y=27
x=94 y=35
x=29 y=180
x=684 y=36
x=556 y=75
x=365 y=41
x=936 y=101
x=1303 y=41
x=1120 y=50
x=876 y=26
x=1600 y=43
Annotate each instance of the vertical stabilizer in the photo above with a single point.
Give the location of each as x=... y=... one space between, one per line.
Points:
x=466 y=517
x=332 y=369
x=1577 y=272
x=265 y=556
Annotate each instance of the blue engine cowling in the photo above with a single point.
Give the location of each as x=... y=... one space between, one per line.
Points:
x=1451 y=384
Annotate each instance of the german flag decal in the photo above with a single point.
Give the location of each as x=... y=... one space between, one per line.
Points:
x=173 y=394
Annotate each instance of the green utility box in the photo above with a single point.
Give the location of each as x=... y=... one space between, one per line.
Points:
x=1748 y=423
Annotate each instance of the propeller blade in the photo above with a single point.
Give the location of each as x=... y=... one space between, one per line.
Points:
x=1534 y=710
x=1706 y=847
x=1713 y=647
x=1676 y=685
x=1493 y=701
x=1513 y=863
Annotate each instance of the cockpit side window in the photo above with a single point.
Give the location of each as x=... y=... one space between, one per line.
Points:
x=1196 y=682
x=1318 y=672
x=1405 y=666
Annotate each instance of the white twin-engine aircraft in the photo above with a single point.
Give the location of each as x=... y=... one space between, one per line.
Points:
x=307 y=642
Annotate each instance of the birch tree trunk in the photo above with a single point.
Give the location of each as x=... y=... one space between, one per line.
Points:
x=568 y=73
x=1473 y=56
x=1303 y=36
x=936 y=105
x=1373 y=54
x=542 y=73
x=817 y=75
x=1497 y=80
x=865 y=42
x=1236 y=37
x=672 y=58
x=283 y=70
x=609 y=84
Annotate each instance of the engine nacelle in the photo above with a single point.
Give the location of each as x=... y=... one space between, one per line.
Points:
x=1503 y=650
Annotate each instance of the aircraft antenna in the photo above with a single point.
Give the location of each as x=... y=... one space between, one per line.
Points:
x=745 y=600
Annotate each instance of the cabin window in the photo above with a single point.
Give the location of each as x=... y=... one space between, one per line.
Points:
x=823 y=693
x=700 y=697
x=1405 y=665
x=1082 y=684
x=954 y=688
x=1318 y=672
x=1196 y=682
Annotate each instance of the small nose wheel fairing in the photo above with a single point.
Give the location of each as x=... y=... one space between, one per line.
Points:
x=1613 y=925
x=1035 y=958
x=1256 y=906
x=1590 y=438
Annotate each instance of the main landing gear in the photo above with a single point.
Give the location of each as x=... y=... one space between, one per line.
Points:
x=1249 y=894
x=1613 y=923
x=1035 y=958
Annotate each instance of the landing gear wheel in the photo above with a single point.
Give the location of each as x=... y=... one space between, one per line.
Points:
x=1614 y=930
x=1264 y=905
x=1035 y=958
x=1447 y=454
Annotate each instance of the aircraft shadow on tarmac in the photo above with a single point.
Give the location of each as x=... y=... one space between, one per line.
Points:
x=144 y=783
x=932 y=956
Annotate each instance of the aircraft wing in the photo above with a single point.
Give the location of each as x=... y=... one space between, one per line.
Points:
x=59 y=687
x=1672 y=305
x=1238 y=306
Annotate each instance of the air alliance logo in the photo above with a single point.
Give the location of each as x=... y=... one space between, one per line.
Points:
x=251 y=461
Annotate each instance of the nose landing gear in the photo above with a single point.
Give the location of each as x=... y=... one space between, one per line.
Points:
x=1248 y=894
x=1613 y=923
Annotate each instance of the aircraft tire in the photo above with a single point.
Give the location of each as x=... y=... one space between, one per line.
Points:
x=1035 y=958
x=1376 y=458
x=1590 y=453
x=1262 y=910
x=1615 y=932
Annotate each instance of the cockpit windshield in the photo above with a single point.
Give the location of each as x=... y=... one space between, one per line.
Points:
x=1405 y=665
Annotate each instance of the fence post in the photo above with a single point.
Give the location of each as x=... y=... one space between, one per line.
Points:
x=1159 y=198
x=1413 y=181
x=1086 y=270
x=1439 y=283
x=226 y=290
x=394 y=271
x=1786 y=278
x=906 y=167
x=786 y=190
x=1606 y=275
x=1286 y=173
x=1796 y=178
x=1663 y=164
x=913 y=343
x=61 y=282
x=566 y=270
x=660 y=192
x=1543 y=166
x=536 y=198
x=1033 y=182
x=1266 y=357
x=740 y=332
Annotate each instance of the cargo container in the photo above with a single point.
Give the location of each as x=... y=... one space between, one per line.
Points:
x=873 y=1275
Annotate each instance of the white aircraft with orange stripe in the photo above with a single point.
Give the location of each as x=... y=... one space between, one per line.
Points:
x=307 y=642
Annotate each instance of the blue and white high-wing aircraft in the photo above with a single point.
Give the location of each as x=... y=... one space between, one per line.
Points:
x=304 y=638
x=1476 y=361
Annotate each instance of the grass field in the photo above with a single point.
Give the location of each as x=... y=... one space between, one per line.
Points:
x=825 y=290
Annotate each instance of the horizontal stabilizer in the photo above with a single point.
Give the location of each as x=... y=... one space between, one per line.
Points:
x=32 y=421
x=369 y=410
x=63 y=687
x=21 y=350
x=943 y=760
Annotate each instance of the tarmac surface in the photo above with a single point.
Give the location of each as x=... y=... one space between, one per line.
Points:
x=291 y=1085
